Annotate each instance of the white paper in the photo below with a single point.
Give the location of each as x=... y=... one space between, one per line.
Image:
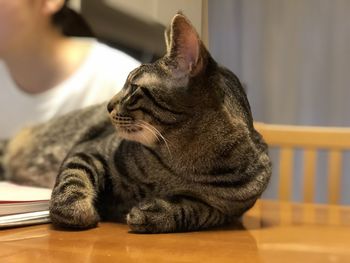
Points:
x=14 y=192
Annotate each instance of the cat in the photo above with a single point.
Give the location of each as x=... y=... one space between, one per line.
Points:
x=175 y=150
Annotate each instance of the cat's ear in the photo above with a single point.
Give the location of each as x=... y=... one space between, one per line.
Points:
x=184 y=45
x=167 y=33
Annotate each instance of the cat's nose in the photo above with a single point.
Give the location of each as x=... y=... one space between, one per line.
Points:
x=111 y=106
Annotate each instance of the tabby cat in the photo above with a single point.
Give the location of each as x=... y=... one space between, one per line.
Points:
x=176 y=150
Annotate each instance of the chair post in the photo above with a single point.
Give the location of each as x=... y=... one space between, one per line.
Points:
x=309 y=175
x=334 y=176
x=285 y=175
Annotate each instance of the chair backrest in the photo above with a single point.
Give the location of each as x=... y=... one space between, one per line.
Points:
x=310 y=139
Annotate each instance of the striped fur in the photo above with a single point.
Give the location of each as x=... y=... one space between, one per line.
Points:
x=176 y=151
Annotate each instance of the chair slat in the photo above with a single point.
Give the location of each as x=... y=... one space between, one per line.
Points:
x=286 y=171
x=334 y=140
x=334 y=176
x=309 y=174
x=305 y=136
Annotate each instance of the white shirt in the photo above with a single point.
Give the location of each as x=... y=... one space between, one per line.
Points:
x=100 y=76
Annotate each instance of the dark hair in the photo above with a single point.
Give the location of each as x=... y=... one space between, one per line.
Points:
x=71 y=23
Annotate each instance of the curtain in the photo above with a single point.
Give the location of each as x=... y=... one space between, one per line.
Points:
x=293 y=57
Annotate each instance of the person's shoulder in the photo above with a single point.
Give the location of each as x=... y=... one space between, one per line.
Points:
x=104 y=67
x=110 y=56
x=110 y=66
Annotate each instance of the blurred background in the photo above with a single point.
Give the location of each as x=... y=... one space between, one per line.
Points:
x=137 y=26
x=293 y=56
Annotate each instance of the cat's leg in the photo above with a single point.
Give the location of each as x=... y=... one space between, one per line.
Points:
x=180 y=214
x=74 y=194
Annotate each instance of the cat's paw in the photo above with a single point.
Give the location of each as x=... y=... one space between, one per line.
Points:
x=151 y=216
x=80 y=214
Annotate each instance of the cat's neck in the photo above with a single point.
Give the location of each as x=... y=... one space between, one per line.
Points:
x=189 y=156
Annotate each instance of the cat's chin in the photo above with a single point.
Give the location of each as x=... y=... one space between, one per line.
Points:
x=142 y=136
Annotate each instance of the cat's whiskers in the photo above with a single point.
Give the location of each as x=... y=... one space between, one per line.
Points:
x=156 y=133
x=149 y=129
x=127 y=126
x=143 y=135
x=122 y=123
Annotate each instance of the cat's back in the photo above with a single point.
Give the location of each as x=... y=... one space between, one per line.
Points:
x=34 y=155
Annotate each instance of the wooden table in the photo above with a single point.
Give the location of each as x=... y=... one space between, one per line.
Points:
x=270 y=232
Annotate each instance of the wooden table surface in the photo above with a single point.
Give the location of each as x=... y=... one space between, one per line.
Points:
x=269 y=232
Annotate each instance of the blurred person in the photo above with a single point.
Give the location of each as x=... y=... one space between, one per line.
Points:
x=45 y=71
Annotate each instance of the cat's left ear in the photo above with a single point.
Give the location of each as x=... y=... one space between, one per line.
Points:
x=184 y=45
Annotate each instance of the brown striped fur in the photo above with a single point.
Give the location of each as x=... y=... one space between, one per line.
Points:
x=176 y=151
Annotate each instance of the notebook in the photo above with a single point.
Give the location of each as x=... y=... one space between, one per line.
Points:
x=23 y=205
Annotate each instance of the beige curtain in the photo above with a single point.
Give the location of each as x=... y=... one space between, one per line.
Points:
x=293 y=57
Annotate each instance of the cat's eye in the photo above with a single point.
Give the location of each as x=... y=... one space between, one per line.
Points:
x=133 y=88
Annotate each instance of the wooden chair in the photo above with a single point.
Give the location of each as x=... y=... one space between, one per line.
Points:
x=310 y=139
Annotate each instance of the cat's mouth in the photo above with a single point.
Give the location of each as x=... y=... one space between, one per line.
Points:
x=125 y=123
x=134 y=130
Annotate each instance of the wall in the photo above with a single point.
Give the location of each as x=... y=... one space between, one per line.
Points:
x=137 y=26
x=161 y=10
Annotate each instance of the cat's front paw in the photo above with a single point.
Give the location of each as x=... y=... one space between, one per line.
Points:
x=80 y=214
x=151 y=216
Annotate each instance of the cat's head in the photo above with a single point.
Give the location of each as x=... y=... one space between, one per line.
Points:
x=177 y=92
